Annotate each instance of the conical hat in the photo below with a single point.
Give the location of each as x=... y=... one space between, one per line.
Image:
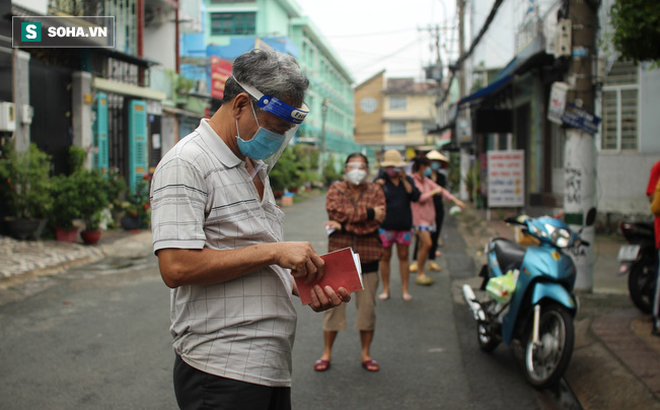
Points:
x=436 y=156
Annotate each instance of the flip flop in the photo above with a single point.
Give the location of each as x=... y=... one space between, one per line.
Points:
x=371 y=365
x=384 y=296
x=321 y=365
x=407 y=297
x=424 y=281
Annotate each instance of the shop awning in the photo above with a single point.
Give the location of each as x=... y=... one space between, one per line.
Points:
x=488 y=90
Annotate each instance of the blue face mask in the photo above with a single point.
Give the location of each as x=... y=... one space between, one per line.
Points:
x=435 y=166
x=427 y=173
x=264 y=143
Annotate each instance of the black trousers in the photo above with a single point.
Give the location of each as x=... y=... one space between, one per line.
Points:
x=196 y=390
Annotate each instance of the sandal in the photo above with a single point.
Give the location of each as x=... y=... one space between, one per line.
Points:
x=321 y=365
x=434 y=266
x=384 y=296
x=424 y=281
x=407 y=297
x=371 y=365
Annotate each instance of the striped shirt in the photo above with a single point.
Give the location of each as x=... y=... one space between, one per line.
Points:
x=202 y=196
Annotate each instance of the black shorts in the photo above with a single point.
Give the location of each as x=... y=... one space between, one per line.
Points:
x=196 y=390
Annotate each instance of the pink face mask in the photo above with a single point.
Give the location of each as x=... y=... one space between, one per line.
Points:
x=392 y=172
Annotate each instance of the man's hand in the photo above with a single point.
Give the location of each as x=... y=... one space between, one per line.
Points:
x=380 y=181
x=324 y=299
x=301 y=258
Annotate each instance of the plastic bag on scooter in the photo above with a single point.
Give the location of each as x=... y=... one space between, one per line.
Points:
x=501 y=288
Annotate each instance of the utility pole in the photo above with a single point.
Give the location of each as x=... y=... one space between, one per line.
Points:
x=464 y=152
x=580 y=150
x=434 y=71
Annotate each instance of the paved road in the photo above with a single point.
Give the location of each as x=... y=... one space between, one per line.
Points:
x=427 y=348
x=96 y=337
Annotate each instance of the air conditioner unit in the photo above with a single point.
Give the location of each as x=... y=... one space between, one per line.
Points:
x=7 y=116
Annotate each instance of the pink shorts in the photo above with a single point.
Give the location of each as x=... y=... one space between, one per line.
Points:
x=389 y=237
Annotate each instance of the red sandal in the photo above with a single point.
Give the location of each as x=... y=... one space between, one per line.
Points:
x=321 y=365
x=371 y=365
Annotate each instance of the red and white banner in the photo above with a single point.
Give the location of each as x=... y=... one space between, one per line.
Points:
x=220 y=72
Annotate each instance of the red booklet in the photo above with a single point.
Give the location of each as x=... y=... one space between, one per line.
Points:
x=342 y=269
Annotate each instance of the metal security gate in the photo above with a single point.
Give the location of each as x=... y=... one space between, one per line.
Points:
x=117 y=135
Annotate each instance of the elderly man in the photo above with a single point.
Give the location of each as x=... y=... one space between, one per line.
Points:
x=218 y=236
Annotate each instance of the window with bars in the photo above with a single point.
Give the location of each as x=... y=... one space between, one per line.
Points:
x=233 y=23
x=398 y=103
x=398 y=128
x=620 y=108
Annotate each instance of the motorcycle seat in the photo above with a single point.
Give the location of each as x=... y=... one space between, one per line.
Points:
x=508 y=253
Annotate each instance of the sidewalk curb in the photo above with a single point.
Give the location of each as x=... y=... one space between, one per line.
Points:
x=23 y=260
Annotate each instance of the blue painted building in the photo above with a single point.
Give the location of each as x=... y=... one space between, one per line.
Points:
x=231 y=28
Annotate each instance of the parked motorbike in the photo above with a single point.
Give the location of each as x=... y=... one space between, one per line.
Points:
x=639 y=260
x=529 y=297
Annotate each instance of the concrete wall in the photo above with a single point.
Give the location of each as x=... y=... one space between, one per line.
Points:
x=419 y=110
x=649 y=88
x=621 y=181
x=160 y=43
x=368 y=123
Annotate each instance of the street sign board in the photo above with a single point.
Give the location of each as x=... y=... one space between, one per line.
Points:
x=506 y=178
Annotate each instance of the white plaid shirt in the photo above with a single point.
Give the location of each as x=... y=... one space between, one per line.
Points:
x=202 y=196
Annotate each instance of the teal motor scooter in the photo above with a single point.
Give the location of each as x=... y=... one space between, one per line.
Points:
x=528 y=296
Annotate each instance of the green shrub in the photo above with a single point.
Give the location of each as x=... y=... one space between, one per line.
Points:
x=25 y=182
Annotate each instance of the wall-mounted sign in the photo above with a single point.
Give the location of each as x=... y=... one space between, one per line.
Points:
x=557 y=101
x=220 y=72
x=506 y=178
x=579 y=118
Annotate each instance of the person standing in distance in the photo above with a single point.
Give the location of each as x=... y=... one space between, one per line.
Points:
x=438 y=162
x=399 y=191
x=424 y=222
x=356 y=207
x=218 y=236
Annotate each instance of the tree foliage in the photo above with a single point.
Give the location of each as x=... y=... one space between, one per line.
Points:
x=636 y=29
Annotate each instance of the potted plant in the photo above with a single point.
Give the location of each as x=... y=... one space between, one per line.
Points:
x=65 y=208
x=80 y=195
x=137 y=208
x=92 y=190
x=24 y=188
x=117 y=190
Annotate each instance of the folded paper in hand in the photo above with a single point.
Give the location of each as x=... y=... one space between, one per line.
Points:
x=342 y=269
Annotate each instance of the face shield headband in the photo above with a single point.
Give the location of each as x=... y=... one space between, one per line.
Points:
x=281 y=110
x=277 y=107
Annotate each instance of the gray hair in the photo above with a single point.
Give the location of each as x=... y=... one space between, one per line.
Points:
x=271 y=72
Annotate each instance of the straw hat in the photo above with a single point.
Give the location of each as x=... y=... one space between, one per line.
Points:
x=392 y=158
x=436 y=156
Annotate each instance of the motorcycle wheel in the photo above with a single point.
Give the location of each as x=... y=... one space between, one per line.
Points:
x=641 y=285
x=487 y=342
x=546 y=362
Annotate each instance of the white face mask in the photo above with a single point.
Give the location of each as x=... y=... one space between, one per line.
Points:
x=356 y=176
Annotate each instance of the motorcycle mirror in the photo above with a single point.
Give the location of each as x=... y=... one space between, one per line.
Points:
x=591 y=217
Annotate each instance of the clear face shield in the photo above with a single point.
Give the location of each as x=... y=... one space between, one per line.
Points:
x=272 y=144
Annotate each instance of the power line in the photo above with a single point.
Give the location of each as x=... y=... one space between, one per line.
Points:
x=381 y=33
x=385 y=57
x=459 y=63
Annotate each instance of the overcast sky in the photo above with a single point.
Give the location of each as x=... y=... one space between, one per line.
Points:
x=372 y=35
